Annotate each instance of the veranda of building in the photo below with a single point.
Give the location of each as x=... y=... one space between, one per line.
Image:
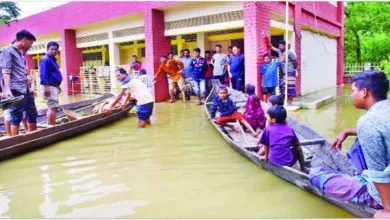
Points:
x=91 y=33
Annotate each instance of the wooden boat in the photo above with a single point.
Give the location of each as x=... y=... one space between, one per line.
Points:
x=46 y=135
x=317 y=152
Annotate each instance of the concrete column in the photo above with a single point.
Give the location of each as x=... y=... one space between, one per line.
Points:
x=340 y=44
x=71 y=60
x=200 y=43
x=298 y=38
x=29 y=61
x=257 y=23
x=156 y=43
x=114 y=59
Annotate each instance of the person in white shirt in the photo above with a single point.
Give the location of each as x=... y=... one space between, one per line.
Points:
x=146 y=80
x=136 y=91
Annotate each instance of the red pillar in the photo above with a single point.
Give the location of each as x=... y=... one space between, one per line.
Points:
x=257 y=25
x=71 y=61
x=29 y=61
x=156 y=44
x=340 y=44
x=298 y=37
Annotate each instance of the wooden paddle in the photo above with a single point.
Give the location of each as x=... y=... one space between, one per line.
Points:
x=243 y=133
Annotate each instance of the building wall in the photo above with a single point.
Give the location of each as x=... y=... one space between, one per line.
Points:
x=319 y=62
x=323 y=17
x=195 y=9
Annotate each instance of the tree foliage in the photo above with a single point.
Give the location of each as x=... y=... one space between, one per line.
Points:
x=8 y=11
x=367 y=31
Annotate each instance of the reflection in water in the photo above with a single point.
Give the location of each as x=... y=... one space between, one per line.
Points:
x=4 y=202
x=114 y=210
x=83 y=189
x=180 y=167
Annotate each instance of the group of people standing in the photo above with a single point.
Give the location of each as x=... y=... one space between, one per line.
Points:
x=16 y=81
x=192 y=75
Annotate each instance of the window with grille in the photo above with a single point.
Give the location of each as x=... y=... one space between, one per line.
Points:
x=174 y=50
x=92 y=56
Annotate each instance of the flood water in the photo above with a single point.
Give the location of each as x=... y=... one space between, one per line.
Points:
x=179 y=167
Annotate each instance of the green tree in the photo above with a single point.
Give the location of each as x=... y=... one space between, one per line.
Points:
x=367 y=26
x=8 y=11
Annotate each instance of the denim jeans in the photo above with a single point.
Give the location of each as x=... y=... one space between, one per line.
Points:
x=200 y=87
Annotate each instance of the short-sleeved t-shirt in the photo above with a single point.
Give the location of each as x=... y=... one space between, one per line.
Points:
x=279 y=138
x=237 y=63
x=219 y=60
x=291 y=57
x=269 y=71
x=138 y=90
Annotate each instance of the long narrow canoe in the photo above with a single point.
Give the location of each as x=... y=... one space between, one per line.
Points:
x=13 y=146
x=316 y=148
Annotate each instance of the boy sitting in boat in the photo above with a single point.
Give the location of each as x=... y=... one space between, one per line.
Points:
x=370 y=153
x=254 y=113
x=275 y=100
x=279 y=144
x=228 y=111
x=137 y=91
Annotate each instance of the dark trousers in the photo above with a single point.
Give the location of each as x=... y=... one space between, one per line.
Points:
x=220 y=78
x=237 y=83
x=26 y=105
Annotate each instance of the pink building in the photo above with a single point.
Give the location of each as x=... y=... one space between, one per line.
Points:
x=97 y=32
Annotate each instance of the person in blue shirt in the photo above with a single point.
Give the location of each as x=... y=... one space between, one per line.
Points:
x=228 y=111
x=269 y=72
x=199 y=65
x=236 y=69
x=51 y=80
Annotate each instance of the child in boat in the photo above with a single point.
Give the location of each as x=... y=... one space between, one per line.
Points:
x=146 y=80
x=254 y=113
x=279 y=144
x=275 y=100
x=228 y=111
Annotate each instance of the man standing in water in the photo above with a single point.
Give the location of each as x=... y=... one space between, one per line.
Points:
x=16 y=81
x=51 y=80
x=188 y=72
x=174 y=70
x=137 y=91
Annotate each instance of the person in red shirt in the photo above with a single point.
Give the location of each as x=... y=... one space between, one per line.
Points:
x=174 y=69
x=209 y=72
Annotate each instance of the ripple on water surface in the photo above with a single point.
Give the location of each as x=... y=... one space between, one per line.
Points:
x=179 y=167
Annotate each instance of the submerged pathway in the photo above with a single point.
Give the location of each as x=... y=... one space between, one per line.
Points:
x=179 y=167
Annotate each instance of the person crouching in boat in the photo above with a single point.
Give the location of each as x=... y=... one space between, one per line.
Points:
x=279 y=145
x=254 y=113
x=228 y=111
x=137 y=91
x=370 y=153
